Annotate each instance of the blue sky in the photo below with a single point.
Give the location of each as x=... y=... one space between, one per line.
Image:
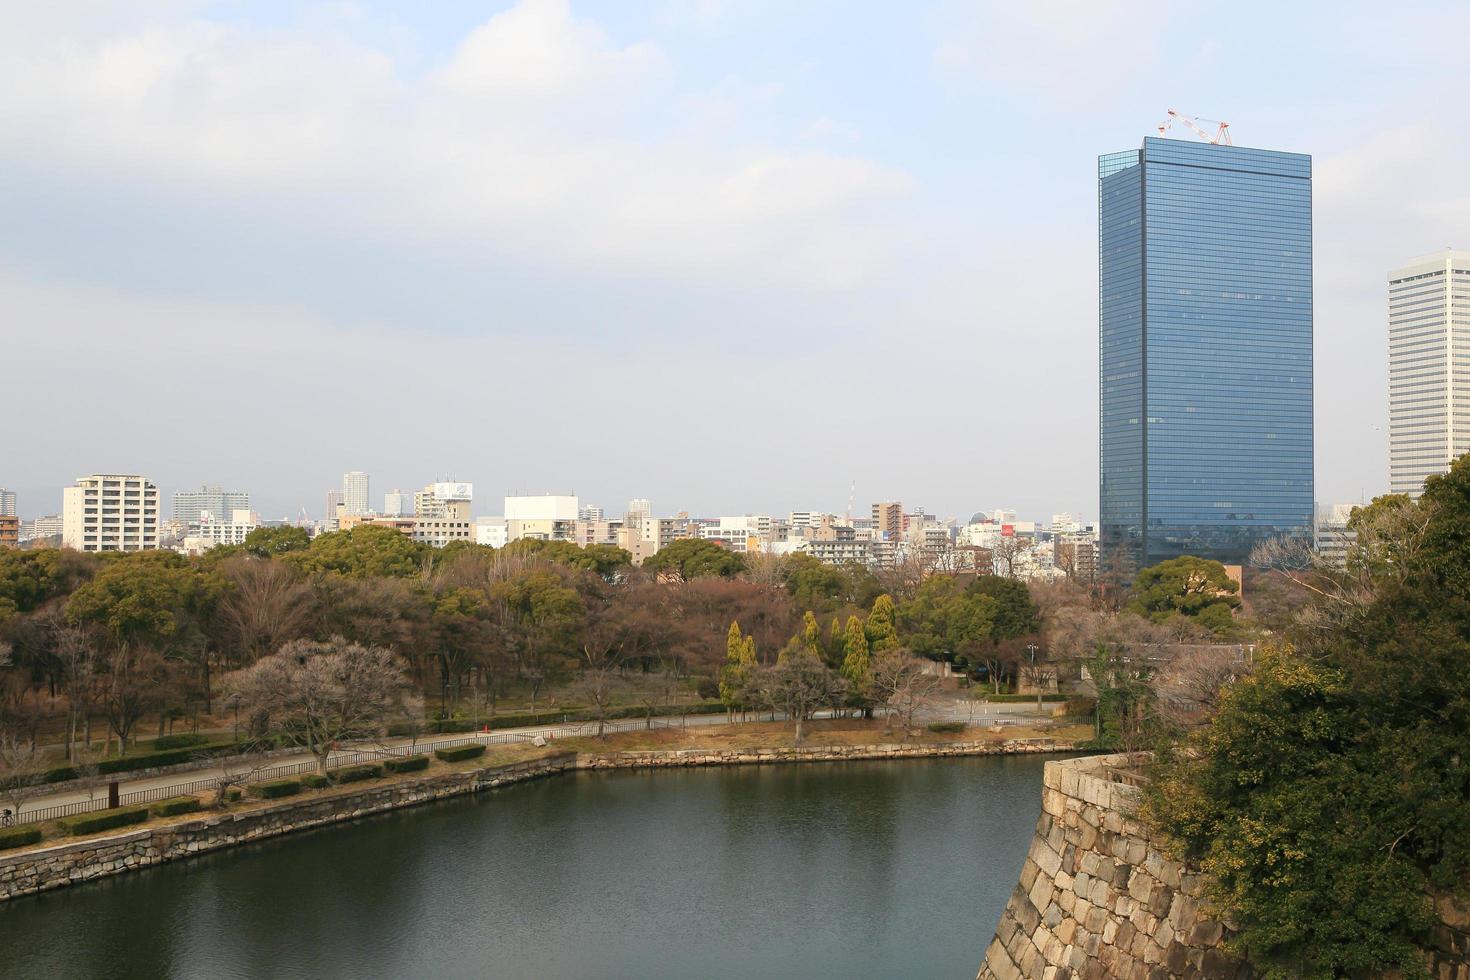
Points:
x=729 y=256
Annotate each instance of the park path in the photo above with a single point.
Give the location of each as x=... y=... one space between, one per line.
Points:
x=971 y=712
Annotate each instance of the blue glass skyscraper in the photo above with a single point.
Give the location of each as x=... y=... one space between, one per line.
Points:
x=1205 y=337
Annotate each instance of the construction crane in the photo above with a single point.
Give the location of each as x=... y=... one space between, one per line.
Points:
x=1220 y=135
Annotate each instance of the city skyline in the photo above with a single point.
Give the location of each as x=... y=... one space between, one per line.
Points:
x=812 y=210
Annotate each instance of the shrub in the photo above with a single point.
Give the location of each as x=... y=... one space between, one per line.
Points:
x=411 y=764
x=315 y=781
x=460 y=753
x=1081 y=707
x=90 y=823
x=175 y=805
x=277 y=789
x=947 y=727
x=187 y=740
x=19 y=837
x=356 y=774
x=233 y=794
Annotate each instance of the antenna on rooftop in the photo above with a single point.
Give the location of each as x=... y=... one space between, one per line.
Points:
x=1220 y=136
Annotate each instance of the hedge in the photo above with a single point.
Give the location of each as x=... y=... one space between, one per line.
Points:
x=19 y=837
x=459 y=753
x=176 y=805
x=187 y=740
x=315 y=781
x=277 y=789
x=150 y=760
x=947 y=727
x=90 y=823
x=354 y=774
x=412 y=763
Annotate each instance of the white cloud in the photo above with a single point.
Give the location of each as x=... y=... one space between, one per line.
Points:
x=526 y=142
x=826 y=128
x=1074 y=52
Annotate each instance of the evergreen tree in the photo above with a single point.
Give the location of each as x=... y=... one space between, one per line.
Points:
x=881 y=632
x=739 y=670
x=857 y=667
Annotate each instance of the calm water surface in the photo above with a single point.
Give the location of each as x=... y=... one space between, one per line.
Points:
x=884 y=869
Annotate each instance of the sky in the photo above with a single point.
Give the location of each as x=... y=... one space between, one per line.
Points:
x=731 y=256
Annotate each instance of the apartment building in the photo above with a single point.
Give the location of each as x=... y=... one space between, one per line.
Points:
x=110 y=512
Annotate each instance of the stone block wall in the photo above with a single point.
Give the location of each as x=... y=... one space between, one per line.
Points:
x=1096 y=899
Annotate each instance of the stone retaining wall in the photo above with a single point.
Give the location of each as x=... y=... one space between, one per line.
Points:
x=58 y=865
x=1096 y=899
x=65 y=864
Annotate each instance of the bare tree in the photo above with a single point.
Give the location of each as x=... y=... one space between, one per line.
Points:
x=905 y=683
x=1039 y=675
x=1189 y=686
x=240 y=768
x=267 y=606
x=800 y=685
x=23 y=768
x=600 y=683
x=318 y=694
x=76 y=660
x=1005 y=552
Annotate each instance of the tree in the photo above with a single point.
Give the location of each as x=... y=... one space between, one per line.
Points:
x=739 y=672
x=943 y=619
x=23 y=768
x=318 y=694
x=1016 y=613
x=540 y=621
x=857 y=669
x=365 y=551
x=1189 y=586
x=905 y=683
x=265 y=606
x=458 y=624
x=599 y=683
x=799 y=684
x=881 y=627
x=272 y=542
x=690 y=558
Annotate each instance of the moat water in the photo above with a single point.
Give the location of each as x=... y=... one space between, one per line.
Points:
x=861 y=869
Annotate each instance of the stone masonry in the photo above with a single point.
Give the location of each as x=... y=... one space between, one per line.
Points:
x=1096 y=899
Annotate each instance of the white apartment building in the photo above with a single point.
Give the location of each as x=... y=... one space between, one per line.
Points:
x=1428 y=368
x=43 y=527
x=7 y=502
x=1331 y=536
x=110 y=512
x=354 y=493
x=210 y=533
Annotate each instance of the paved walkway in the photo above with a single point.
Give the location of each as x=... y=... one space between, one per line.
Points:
x=971 y=712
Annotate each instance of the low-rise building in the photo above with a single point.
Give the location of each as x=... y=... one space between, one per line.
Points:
x=9 y=531
x=548 y=517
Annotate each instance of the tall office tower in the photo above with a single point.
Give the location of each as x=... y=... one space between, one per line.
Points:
x=1205 y=340
x=7 y=502
x=355 y=493
x=216 y=501
x=110 y=512
x=888 y=519
x=1428 y=368
x=397 y=503
x=335 y=508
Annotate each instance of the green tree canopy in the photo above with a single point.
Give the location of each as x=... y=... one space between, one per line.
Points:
x=269 y=542
x=882 y=625
x=943 y=619
x=857 y=665
x=1330 y=797
x=365 y=551
x=144 y=596
x=1016 y=613
x=1186 y=586
x=603 y=559
x=30 y=578
x=691 y=558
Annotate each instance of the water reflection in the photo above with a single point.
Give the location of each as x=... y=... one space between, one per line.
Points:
x=852 y=869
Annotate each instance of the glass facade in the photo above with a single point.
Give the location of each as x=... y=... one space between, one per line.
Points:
x=1205 y=344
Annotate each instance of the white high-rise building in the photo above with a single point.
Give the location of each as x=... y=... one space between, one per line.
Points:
x=110 y=512
x=1428 y=368
x=355 y=493
x=7 y=502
